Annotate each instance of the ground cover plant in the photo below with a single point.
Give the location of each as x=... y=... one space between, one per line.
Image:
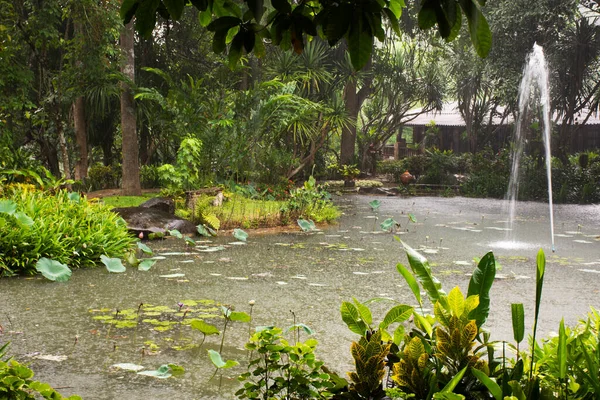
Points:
x=56 y=225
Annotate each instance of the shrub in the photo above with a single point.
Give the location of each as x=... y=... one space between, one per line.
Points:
x=62 y=226
x=149 y=177
x=310 y=201
x=104 y=176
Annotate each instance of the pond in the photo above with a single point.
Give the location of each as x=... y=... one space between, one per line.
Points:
x=291 y=277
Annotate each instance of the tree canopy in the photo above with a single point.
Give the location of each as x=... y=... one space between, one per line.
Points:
x=243 y=26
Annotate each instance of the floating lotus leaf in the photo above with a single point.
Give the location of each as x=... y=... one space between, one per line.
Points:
x=190 y=241
x=307 y=226
x=202 y=230
x=240 y=235
x=176 y=233
x=23 y=219
x=162 y=372
x=204 y=327
x=113 y=264
x=146 y=265
x=144 y=248
x=388 y=224
x=375 y=204
x=218 y=362
x=53 y=270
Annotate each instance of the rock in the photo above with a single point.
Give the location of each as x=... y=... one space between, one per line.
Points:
x=151 y=220
x=218 y=200
x=160 y=203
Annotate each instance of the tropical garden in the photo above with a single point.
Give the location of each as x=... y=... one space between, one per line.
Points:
x=259 y=114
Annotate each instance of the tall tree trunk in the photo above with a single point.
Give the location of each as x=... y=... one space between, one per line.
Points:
x=348 y=142
x=131 y=166
x=62 y=143
x=81 y=165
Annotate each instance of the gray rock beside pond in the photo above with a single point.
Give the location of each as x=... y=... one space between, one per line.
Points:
x=160 y=203
x=153 y=218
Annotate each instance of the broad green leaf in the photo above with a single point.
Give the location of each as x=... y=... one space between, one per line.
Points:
x=396 y=7
x=492 y=386
x=427 y=15
x=257 y=8
x=398 y=313
x=190 y=241
x=53 y=270
x=144 y=248
x=375 y=204
x=360 y=44
x=235 y=50
x=337 y=25
x=422 y=322
x=204 y=18
x=145 y=17
x=240 y=234
x=412 y=218
x=176 y=370
x=127 y=10
x=411 y=281
x=218 y=362
x=8 y=207
x=561 y=353
x=240 y=316
x=112 y=264
x=480 y=284
x=398 y=335
x=175 y=7
x=306 y=226
x=145 y=265
x=162 y=372
x=518 y=321
x=132 y=259
x=23 y=219
x=204 y=327
x=223 y=24
x=422 y=271
x=176 y=233
x=302 y=326
x=363 y=311
x=481 y=35
x=74 y=197
x=202 y=230
x=352 y=318
x=283 y=6
x=388 y=224
x=449 y=388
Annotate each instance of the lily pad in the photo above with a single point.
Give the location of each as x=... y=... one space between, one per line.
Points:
x=307 y=226
x=202 y=230
x=218 y=362
x=388 y=224
x=23 y=218
x=204 y=327
x=375 y=204
x=144 y=248
x=53 y=270
x=190 y=241
x=240 y=235
x=176 y=233
x=162 y=372
x=113 y=264
x=146 y=265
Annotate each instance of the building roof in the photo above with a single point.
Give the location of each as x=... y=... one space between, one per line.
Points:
x=450 y=116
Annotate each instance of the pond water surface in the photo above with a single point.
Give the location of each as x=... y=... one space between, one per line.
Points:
x=58 y=328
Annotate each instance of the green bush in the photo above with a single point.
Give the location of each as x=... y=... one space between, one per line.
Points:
x=104 y=176
x=149 y=177
x=16 y=382
x=61 y=226
x=310 y=201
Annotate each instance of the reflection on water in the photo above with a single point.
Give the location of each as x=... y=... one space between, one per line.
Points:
x=307 y=274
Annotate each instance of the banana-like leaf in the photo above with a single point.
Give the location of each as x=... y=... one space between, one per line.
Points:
x=518 y=321
x=411 y=281
x=420 y=267
x=492 y=386
x=561 y=353
x=449 y=388
x=480 y=284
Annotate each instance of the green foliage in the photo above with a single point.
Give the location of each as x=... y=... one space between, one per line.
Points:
x=310 y=201
x=77 y=236
x=186 y=174
x=104 y=176
x=283 y=370
x=369 y=355
x=287 y=24
x=16 y=382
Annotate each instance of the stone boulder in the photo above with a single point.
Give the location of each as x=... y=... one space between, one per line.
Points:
x=160 y=203
x=152 y=220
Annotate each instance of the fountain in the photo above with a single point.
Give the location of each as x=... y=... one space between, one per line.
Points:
x=535 y=76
